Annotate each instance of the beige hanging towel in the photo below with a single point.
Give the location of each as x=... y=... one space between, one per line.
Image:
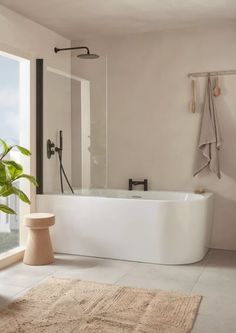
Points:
x=210 y=138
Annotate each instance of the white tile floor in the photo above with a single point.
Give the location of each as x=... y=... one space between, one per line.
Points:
x=214 y=278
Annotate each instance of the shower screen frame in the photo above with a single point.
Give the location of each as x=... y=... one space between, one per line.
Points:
x=39 y=125
x=85 y=128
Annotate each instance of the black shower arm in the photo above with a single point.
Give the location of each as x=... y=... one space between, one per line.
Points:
x=56 y=49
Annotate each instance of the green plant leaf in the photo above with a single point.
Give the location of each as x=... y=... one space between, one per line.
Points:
x=21 y=195
x=5 y=146
x=15 y=169
x=6 y=190
x=30 y=178
x=13 y=163
x=11 y=171
x=6 y=209
x=3 y=174
x=23 y=150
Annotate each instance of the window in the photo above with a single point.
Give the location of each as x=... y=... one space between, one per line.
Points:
x=14 y=129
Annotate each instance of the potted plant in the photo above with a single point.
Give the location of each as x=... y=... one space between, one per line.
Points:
x=10 y=173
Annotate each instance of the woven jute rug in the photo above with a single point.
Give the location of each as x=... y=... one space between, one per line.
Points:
x=66 y=306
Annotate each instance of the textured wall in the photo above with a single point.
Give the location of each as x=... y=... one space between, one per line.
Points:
x=151 y=133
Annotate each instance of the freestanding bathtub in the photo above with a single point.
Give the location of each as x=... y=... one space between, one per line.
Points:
x=154 y=227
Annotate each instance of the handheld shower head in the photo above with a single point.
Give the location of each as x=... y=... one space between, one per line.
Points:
x=60 y=139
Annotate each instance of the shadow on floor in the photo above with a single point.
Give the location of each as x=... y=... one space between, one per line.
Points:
x=3 y=302
x=79 y=263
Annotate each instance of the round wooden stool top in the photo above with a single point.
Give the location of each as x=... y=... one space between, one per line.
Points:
x=39 y=220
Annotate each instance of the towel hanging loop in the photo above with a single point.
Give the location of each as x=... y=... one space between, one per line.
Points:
x=193 y=101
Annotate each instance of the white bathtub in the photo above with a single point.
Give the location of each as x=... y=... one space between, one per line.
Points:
x=154 y=227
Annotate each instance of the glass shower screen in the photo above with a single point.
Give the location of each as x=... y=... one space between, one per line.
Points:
x=75 y=122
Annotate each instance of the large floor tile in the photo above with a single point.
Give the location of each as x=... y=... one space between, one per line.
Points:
x=221 y=267
x=179 y=278
x=214 y=278
x=183 y=272
x=219 y=298
x=214 y=324
x=24 y=275
x=156 y=283
x=8 y=291
x=100 y=270
x=217 y=284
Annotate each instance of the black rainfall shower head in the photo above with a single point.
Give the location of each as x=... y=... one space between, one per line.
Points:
x=86 y=55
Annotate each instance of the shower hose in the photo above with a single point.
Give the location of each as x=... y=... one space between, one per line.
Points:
x=62 y=172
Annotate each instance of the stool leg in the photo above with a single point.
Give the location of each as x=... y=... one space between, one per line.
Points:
x=39 y=248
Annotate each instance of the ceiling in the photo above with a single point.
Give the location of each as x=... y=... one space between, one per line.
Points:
x=76 y=19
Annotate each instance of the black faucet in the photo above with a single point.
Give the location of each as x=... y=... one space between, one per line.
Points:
x=138 y=182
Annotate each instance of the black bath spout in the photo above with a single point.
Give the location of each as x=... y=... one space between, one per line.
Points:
x=138 y=182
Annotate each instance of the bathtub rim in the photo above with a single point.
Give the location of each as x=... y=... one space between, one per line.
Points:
x=196 y=197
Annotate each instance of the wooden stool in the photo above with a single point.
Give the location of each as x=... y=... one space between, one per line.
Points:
x=39 y=248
